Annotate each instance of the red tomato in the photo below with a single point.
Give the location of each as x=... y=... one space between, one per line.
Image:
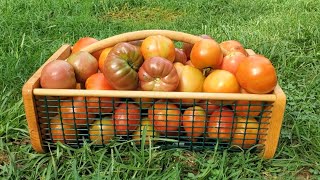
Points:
x=256 y=74
x=76 y=112
x=180 y=56
x=231 y=61
x=164 y=116
x=99 y=82
x=209 y=106
x=221 y=124
x=232 y=46
x=246 y=133
x=62 y=132
x=186 y=47
x=158 y=74
x=248 y=108
x=206 y=53
x=84 y=42
x=126 y=118
x=194 y=121
x=121 y=66
x=103 y=57
x=158 y=46
x=221 y=81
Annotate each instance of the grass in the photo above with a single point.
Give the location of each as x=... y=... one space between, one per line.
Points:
x=286 y=31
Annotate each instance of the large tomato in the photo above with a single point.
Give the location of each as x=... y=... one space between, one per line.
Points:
x=121 y=66
x=62 y=132
x=221 y=124
x=126 y=118
x=103 y=104
x=194 y=121
x=221 y=81
x=248 y=108
x=246 y=133
x=208 y=106
x=101 y=131
x=158 y=46
x=158 y=74
x=256 y=74
x=150 y=132
x=231 y=61
x=180 y=56
x=186 y=47
x=206 y=53
x=103 y=57
x=164 y=116
x=232 y=46
x=84 y=42
x=76 y=112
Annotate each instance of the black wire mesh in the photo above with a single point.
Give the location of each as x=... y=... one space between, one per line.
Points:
x=176 y=123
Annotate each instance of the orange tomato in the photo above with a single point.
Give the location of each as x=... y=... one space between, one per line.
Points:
x=206 y=53
x=158 y=45
x=102 y=131
x=246 y=133
x=221 y=124
x=126 y=118
x=221 y=81
x=232 y=46
x=164 y=116
x=248 y=108
x=231 y=61
x=99 y=82
x=194 y=121
x=62 y=132
x=103 y=57
x=84 y=42
x=256 y=74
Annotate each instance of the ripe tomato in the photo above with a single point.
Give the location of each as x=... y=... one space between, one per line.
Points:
x=232 y=46
x=221 y=81
x=76 y=112
x=146 y=125
x=164 y=116
x=221 y=124
x=84 y=42
x=121 y=66
x=186 y=47
x=126 y=118
x=206 y=53
x=248 y=108
x=256 y=74
x=99 y=82
x=194 y=121
x=103 y=57
x=158 y=74
x=180 y=56
x=158 y=46
x=102 y=131
x=231 y=61
x=246 y=133
x=62 y=132
x=208 y=106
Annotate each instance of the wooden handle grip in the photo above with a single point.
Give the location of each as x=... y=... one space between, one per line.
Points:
x=137 y=35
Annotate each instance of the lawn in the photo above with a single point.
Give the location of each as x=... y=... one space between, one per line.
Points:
x=286 y=31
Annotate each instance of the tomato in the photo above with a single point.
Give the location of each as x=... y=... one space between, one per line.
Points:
x=84 y=42
x=99 y=82
x=221 y=124
x=194 y=121
x=232 y=46
x=126 y=118
x=62 y=132
x=164 y=116
x=209 y=106
x=246 y=133
x=103 y=57
x=143 y=102
x=186 y=47
x=189 y=63
x=231 y=61
x=121 y=66
x=101 y=131
x=206 y=53
x=158 y=46
x=180 y=56
x=158 y=74
x=256 y=74
x=146 y=126
x=136 y=42
x=221 y=81
x=76 y=112
x=248 y=108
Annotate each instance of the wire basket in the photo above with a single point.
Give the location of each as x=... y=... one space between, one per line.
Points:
x=78 y=116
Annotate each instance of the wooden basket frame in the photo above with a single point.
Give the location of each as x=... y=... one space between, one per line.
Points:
x=32 y=88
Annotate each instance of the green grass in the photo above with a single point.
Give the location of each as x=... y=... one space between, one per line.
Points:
x=286 y=31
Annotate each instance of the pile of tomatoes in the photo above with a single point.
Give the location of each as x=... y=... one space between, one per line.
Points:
x=156 y=64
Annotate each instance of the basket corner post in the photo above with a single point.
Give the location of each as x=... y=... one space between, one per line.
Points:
x=273 y=134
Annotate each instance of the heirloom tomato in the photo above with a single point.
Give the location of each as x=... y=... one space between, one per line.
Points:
x=232 y=46
x=102 y=131
x=62 y=132
x=158 y=46
x=221 y=81
x=126 y=118
x=231 y=61
x=246 y=132
x=84 y=42
x=194 y=121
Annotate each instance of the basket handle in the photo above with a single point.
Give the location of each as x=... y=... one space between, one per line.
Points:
x=137 y=35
